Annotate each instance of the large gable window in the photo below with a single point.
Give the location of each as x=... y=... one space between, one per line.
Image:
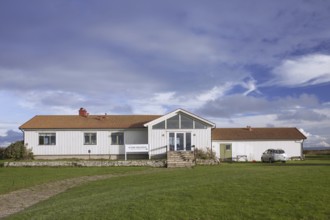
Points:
x=180 y=121
x=117 y=138
x=186 y=123
x=160 y=125
x=47 y=138
x=173 y=123
x=89 y=138
x=199 y=125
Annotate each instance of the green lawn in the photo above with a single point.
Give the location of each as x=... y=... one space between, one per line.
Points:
x=295 y=190
x=14 y=178
x=320 y=158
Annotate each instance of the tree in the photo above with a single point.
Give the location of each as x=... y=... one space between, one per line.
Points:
x=2 y=153
x=18 y=151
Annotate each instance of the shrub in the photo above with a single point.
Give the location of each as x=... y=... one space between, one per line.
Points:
x=18 y=151
x=204 y=154
x=2 y=153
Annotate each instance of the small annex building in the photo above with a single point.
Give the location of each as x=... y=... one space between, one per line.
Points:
x=249 y=143
x=149 y=136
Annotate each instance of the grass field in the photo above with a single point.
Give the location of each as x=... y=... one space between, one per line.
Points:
x=295 y=190
x=14 y=178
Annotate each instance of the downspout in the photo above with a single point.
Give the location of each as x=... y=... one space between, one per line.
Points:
x=23 y=135
x=149 y=141
x=302 y=157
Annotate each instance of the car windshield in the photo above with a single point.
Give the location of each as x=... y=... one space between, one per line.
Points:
x=279 y=151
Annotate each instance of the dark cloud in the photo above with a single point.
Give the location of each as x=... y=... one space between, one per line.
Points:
x=240 y=105
x=70 y=45
x=10 y=137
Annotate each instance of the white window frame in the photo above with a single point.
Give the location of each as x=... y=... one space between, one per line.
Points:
x=89 y=135
x=49 y=135
x=117 y=135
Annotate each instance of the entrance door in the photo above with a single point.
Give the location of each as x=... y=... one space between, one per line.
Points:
x=179 y=141
x=225 y=152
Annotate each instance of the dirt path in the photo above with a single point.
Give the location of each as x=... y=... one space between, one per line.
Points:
x=19 y=200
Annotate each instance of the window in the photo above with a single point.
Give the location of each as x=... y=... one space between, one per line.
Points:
x=228 y=146
x=117 y=138
x=173 y=123
x=188 y=141
x=171 y=141
x=186 y=123
x=47 y=138
x=180 y=121
x=160 y=125
x=199 y=125
x=89 y=138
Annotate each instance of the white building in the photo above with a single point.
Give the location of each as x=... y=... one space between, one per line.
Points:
x=249 y=143
x=149 y=136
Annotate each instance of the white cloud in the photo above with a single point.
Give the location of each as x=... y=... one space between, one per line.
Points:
x=239 y=105
x=251 y=86
x=161 y=103
x=215 y=93
x=174 y=42
x=303 y=71
x=315 y=141
x=165 y=97
x=324 y=144
x=51 y=99
x=265 y=120
x=302 y=115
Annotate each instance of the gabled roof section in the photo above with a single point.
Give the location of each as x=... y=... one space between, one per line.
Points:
x=257 y=134
x=88 y=122
x=178 y=111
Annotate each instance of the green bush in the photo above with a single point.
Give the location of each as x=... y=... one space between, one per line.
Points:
x=18 y=151
x=204 y=154
x=2 y=153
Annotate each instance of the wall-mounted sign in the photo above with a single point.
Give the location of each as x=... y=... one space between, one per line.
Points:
x=136 y=148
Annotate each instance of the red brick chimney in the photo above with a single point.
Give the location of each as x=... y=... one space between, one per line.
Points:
x=83 y=112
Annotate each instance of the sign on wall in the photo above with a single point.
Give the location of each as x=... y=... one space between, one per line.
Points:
x=136 y=148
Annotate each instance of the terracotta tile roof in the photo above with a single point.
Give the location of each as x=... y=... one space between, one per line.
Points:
x=257 y=134
x=89 y=122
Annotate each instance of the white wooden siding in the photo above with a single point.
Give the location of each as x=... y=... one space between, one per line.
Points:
x=201 y=138
x=254 y=149
x=157 y=141
x=70 y=142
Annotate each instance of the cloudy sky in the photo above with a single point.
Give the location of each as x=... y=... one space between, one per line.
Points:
x=236 y=63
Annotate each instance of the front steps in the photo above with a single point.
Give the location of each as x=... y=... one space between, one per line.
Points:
x=180 y=159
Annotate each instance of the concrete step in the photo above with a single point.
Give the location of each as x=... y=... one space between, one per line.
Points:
x=180 y=159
